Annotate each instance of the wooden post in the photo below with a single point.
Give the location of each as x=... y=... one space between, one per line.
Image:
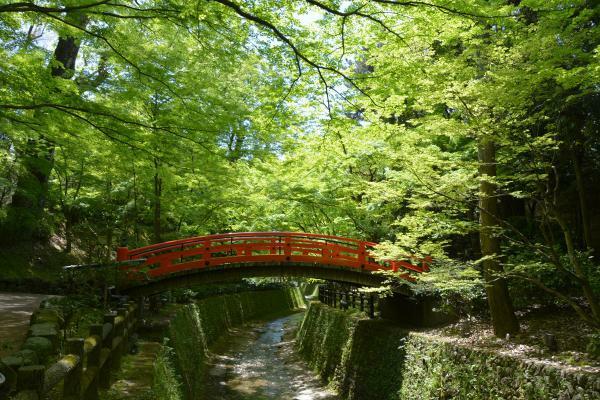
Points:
x=93 y=359
x=109 y=318
x=31 y=378
x=93 y=362
x=123 y=312
x=372 y=306
x=104 y=376
x=72 y=386
x=362 y=302
x=116 y=353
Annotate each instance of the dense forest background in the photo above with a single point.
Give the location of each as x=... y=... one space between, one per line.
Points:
x=465 y=130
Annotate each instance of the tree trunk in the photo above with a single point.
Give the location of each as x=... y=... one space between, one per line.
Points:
x=37 y=159
x=504 y=320
x=136 y=229
x=157 y=194
x=68 y=231
x=577 y=155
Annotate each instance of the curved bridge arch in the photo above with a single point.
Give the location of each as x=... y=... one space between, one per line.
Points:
x=232 y=256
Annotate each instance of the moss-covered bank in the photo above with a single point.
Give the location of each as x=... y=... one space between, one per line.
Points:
x=197 y=326
x=369 y=359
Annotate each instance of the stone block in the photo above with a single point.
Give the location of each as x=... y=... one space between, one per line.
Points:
x=46 y=330
x=47 y=315
x=41 y=346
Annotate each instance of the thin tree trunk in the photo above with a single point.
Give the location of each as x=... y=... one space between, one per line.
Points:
x=157 y=194
x=68 y=232
x=504 y=320
x=588 y=292
x=583 y=206
x=136 y=229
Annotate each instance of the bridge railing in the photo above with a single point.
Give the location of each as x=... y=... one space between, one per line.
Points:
x=346 y=298
x=261 y=247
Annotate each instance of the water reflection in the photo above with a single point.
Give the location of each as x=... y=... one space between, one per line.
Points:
x=258 y=362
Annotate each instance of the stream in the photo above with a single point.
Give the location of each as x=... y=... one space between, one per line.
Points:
x=257 y=361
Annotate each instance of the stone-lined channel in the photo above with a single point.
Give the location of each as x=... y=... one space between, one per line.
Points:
x=257 y=361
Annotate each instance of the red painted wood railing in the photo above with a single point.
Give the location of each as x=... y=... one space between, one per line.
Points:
x=261 y=247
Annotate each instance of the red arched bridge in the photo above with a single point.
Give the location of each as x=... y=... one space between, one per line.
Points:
x=252 y=254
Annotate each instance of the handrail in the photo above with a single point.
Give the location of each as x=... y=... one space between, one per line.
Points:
x=201 y=252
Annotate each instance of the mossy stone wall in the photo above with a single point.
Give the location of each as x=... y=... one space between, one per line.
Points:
x=373 y=359
x=197 y=326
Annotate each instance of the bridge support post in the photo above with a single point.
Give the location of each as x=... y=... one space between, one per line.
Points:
x=140 y=307
x=345 y=300
x=334 y=292
x=371 y=306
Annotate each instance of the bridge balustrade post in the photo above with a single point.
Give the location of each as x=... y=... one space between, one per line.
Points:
x=287 y=250
x=206 y=254
x=122 y=253
x=353 y=299
x=372 y=306
x=334 y=298
x=362 y=255
x=362 y=302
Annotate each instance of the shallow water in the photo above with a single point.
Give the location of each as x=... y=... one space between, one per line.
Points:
x=257 y=361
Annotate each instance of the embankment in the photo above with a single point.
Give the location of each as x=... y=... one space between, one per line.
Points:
x=196 y=327
x=373 y=359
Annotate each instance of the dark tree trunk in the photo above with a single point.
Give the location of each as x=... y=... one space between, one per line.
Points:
x=577 y=155
x=504 y=320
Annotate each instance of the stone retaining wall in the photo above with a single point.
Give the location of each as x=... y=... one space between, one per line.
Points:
x=373 y=359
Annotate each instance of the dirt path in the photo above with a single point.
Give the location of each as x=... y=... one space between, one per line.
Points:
x=15 y=311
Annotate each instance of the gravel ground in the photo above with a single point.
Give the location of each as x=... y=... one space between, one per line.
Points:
x=15 y=311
